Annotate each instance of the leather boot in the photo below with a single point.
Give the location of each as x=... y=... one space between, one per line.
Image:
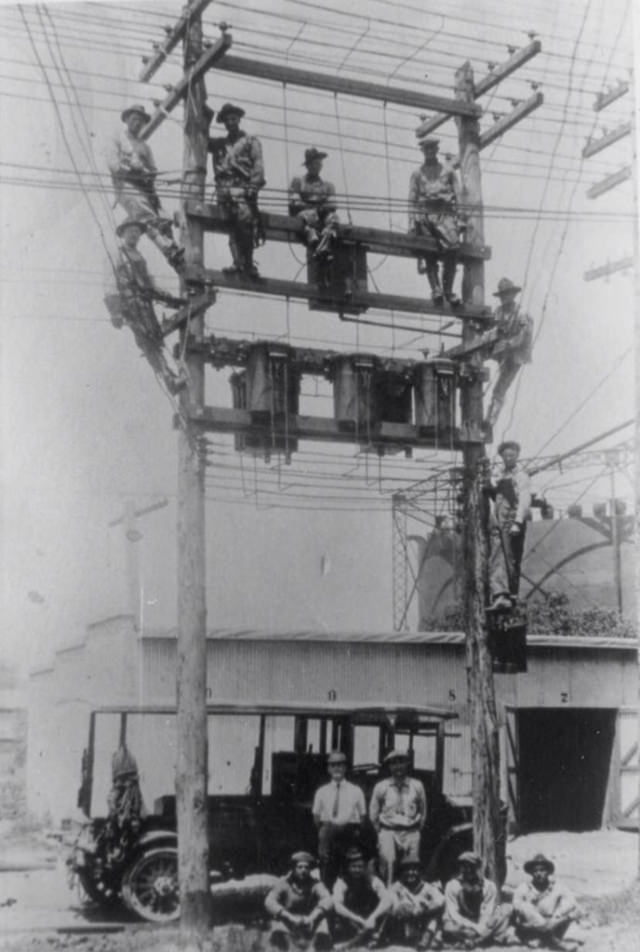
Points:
x=434 y=282
x=238 y=258
x=448 y=276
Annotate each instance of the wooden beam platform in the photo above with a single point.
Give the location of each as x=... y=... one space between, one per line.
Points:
x=277 y=287
x=376 y=240
x=325 y=429
x=342 y=84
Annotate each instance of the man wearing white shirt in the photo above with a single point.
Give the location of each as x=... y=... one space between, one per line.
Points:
x=338 y=811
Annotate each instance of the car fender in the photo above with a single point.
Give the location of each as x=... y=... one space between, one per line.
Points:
x=170 y=837
x=441 y=860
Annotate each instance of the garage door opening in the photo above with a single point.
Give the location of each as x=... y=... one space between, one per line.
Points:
x=563 y=772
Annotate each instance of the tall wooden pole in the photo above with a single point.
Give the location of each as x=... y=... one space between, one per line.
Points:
x=191 y=769
x=635 y=176
x=488 y=834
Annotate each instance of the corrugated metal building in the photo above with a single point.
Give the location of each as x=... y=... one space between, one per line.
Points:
x=568 y=726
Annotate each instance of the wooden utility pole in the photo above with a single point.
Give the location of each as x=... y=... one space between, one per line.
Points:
x=635 y=159
x=488 y=833
x=191 y=768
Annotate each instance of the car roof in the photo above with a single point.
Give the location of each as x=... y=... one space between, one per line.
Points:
x=370 y=712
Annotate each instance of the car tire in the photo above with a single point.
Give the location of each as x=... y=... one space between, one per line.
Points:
x=150 y=886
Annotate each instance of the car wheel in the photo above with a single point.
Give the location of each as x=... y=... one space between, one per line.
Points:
x=150 y=885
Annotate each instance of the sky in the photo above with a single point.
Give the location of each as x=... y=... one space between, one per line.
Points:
x=85 y=425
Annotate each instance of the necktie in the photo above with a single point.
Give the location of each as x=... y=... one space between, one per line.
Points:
x=336 y=802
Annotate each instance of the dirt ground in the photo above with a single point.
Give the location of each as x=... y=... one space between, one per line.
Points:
x=40 y=911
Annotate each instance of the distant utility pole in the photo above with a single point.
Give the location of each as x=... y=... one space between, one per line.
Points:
x=624 y=174
x=488 y=834
x=132 y=536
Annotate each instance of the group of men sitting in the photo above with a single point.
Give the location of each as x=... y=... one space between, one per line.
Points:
x=352 y=900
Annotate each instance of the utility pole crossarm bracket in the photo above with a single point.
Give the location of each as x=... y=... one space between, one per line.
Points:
x=506 y=122
x=490 y=80
x=341 y=84
x=605 y=184
x=594 y=146
x=609 y=268
x=605 y=99
x=194 y=9
x=205 y=62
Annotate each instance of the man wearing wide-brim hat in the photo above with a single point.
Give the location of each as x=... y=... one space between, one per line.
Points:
x=473 y=916
x=338 y=812
x=510 y=493
x=398 y=812
x=543 y=908
x=513 y=344
x=434 y=191
x=129 y=295
x=238 y=171
x=417 y=907
x=133 y=172
x=313 y=201
x=298 y=905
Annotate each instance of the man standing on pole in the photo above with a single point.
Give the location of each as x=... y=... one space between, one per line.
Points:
x=238 y=170
x=511 y=495
x=134 y=172
x=512 y=349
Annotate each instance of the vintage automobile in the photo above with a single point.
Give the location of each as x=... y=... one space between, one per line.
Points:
x=266 y=761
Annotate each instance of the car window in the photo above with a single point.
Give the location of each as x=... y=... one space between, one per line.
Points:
x=232 y=742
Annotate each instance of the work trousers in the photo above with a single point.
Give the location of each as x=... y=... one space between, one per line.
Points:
x=394 y=845
x=333 y=841
x=505 y=559
x=140 y=207
x=496 y=932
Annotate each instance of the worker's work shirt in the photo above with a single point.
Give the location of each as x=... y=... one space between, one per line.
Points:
x=466 y=902
x=311 y=192
x=131 y=161
x=555 y=900
x=362 y=897
x=514 y=332
x=512 y=496
x=287 y=895
x=433 y=188
x=398 y=805
x=339 y=803
x=237 y=164
x=426 y=900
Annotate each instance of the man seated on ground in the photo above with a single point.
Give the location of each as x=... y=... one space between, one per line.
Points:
x=472 y=915
x=299 y=904
x=543 y=909
x=360 y=902
x=416 y=918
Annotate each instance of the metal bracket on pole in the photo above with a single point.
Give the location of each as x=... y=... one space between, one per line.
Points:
x=490 y=80
x=174 y=35
x=205 y=62
x=616 y=178
x=609 y=268
x=594 y=146
x=605 y=99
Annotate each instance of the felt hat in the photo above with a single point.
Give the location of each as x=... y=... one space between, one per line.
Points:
x=301 y=856
x=136 y=107
x=229 y=110
x=508 y=445
x=311 y=154
x=505 y=286
x=129 y=223
x=396 y=755
x=539 y=860
x=429 y=142
x=337 y=757
x=471 y=859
